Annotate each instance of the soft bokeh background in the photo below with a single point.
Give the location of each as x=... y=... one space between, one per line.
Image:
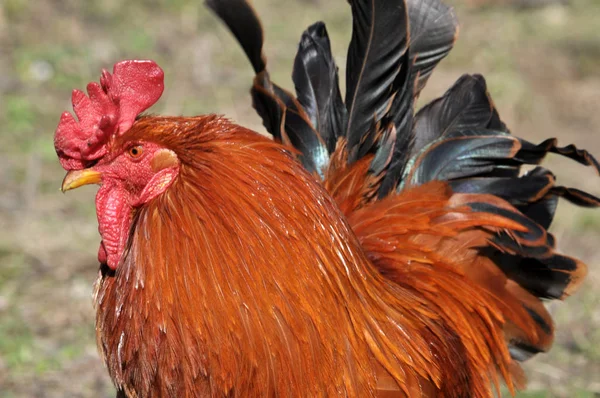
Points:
x=543 y=68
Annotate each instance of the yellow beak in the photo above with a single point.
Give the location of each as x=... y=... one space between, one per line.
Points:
x=77 y=178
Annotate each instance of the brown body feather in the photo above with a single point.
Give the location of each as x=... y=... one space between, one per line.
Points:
x=246 y=279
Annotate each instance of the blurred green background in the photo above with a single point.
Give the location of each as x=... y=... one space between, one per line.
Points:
x=542 y=64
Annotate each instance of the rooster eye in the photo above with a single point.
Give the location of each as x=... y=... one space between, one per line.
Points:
x=136 y=151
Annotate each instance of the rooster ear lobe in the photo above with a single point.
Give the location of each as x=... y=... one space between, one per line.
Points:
x=163 y=159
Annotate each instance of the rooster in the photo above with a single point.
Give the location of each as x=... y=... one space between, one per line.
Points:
x=365 y=250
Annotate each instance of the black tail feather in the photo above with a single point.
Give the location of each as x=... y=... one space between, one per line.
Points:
x=534 y=154
x=301 y=134
x=270 y=107
x=531 y=187
x=541 y=211
x=433 y=31
x=529 y=259
x=243 y=22
x=458 y=138
x=384 y=154
x=465 y=106
x=315 y=77
x=375 y=55
x=461 y=154
x=384 y=77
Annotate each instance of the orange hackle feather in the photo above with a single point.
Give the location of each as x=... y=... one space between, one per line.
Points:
x=246 y=279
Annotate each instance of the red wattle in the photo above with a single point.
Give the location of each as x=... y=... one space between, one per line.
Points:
x=102 y=256
x=114 y=221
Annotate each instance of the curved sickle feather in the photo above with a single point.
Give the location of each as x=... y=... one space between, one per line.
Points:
x=315 y=77
x=242 y=21
x=379 y=41
x=433 y=31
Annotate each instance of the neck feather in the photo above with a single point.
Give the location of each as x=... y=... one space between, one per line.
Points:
x=244 y=276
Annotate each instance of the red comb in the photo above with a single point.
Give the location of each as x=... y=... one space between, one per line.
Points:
x=110 y=110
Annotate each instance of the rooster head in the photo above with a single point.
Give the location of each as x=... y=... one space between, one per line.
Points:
x=106 y=147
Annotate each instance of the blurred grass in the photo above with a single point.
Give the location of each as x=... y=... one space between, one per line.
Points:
x=541 y=66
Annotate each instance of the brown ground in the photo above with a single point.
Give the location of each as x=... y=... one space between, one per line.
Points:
x=542 y=66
